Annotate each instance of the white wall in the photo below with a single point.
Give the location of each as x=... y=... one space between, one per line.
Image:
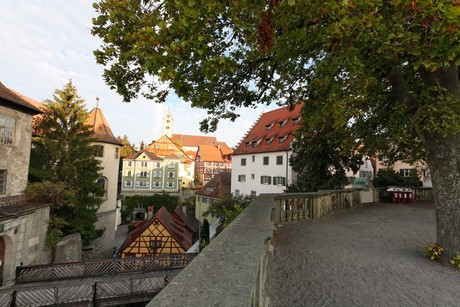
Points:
x=254 y=169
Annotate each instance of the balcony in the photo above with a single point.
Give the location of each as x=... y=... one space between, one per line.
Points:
x=12 y=205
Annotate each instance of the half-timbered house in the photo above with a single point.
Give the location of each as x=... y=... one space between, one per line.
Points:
x=163 y=234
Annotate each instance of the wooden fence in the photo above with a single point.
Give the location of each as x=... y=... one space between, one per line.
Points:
x=118 y=291
x=108 y=267
x=292 y=207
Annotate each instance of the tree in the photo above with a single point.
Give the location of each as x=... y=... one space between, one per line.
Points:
x=387 y=69
x=127 y=148
x=204 y=234
x=228 y=208
x=388 y=177
x=320 y=156
x=63 y=167
x=157 y=200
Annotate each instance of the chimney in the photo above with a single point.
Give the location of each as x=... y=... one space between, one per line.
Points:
x=150 y=212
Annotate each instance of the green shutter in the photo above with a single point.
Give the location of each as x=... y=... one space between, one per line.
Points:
x=274 y=180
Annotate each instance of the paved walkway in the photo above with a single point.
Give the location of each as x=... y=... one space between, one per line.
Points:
x=368 y=257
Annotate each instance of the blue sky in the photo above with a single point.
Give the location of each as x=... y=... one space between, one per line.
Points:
x=44 y=43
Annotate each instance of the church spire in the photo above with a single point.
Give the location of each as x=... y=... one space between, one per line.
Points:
x=168 y=123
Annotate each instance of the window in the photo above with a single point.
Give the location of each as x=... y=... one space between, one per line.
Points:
x=157 y=174
x=252 y=176
x=296 y=120
x=266 y=160
x=243 y=161
x=281 y=139
x=155 y=244
x=282 y=123
x=158 y=164
x=265 y=179
x=99 y=150
x=241 y=178
x=130 y=164
x=171 y=164
x=269 y=126
x=253 y=193
x=170 y=184
x=128 y=183
x=156 y=184
x=257 y=143
x=102 y=182
x=170 y=174
x=253 y=158
x=269 y=140
x=6 y=130
x=157 y=146
x=129 y=173
x=237 y=192
x=279 y=160
x=279 y=181
x=142 y=184
x=117 y=153
x=3 y=181
x=143 y=164
x=143 y=174
x=405 y=172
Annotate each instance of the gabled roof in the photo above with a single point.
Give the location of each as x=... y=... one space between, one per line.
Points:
x=101 y=129
x=18 y=101
x=274 y=131
x=193 y=140
x=163 y=143
x=218 y=186
x=189 y=219
x=149 y=155
x=213 y=153
x=175 y=226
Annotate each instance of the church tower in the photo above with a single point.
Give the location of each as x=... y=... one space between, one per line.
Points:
x=168 y=123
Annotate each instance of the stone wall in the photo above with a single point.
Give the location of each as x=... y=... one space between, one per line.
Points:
x=68 y=249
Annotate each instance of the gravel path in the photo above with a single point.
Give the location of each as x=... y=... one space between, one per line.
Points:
x=368 y=257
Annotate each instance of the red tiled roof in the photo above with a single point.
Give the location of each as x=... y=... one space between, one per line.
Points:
x=218 y=186
x=268 y=127
x=210 y=153
x=193 y=140
x=102 y=132
x=19 y=100
x=176 y=227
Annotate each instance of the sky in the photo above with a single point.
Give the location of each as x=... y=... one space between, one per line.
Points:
x=44 y=43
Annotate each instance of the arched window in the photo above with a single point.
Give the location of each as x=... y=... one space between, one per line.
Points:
x=103 y=183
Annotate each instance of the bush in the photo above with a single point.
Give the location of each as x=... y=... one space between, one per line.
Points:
x=456 y=261
x=433 y=251
x=156 y=200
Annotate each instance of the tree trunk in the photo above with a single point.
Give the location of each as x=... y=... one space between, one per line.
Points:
x=444 y=162
x=443 y=157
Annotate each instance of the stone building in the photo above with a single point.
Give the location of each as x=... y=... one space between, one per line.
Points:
x=23 y=224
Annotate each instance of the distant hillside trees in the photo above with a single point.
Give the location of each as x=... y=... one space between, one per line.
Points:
x=64 y=169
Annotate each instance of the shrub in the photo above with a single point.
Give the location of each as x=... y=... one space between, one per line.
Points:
x=433 y=251
x=456 y=261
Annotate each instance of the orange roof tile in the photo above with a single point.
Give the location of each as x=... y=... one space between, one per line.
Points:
x=102 y=132
x=193 y=140
x=210 y=153
x=274 y=131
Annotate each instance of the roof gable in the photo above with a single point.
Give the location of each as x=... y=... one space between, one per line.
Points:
x=18 y=101
x=193 y=140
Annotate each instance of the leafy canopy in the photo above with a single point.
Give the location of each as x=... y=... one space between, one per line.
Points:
x=63 y=167
x=228 y=207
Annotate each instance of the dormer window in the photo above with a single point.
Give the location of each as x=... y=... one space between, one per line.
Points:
x=282 y=123
x=296 y=120
x=257 y=143
x=269 y=126
x=283 y=138
x=269 y=140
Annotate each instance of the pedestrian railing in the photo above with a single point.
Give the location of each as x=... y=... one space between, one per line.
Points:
x=107 y=267
x=291 y=207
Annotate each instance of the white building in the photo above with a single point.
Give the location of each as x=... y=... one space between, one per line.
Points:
x=109 y=155
x=260 y=163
